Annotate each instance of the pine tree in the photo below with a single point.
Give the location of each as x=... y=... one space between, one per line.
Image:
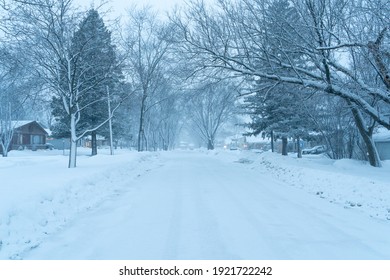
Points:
x=275 y=108
x=279 y=113
x=99 y=59
x=98 y=71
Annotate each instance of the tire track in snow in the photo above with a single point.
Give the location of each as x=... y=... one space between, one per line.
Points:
x=243 y=229
x=192 y=221
x=210 y=236
x=174 y=234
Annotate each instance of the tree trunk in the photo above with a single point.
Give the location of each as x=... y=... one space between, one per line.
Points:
x=272 y=141
x=4 y=151
x=7 y=130
x=94 y=143
x=145 y=143
x=141 y=132
x=72 y=154
x=299 y=147
x=5 y=148
x=110 y=121
x=73 y=142
x=373 y=156
x=140 y=147
x=210 y=144
x=284 y=146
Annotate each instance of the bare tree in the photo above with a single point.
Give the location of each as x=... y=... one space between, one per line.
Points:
x=313 y=51
x=210 y=107
x=162 y=117
x=147 y=45
x=6 y=85
x=18 y=92
x=6 y=129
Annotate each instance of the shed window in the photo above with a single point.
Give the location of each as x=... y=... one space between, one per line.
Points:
x=37 y=139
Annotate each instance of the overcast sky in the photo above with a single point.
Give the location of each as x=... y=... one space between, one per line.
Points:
x=119 y=7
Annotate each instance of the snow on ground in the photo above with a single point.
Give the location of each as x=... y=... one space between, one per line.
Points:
x=39 y=195
x=192 y=205
x=348 y=183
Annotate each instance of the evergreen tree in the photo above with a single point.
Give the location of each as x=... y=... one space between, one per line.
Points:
x=278 y=113
x=275 y=108
x=98 y=73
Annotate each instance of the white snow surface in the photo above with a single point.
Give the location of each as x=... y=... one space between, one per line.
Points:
x=382 y=135
x=192 y=205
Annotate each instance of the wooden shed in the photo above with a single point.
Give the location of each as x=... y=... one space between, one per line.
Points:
x=382 y=143
x=28 y=135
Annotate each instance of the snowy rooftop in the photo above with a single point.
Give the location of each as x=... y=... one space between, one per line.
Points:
x=383 y=135
x=257 y=139
x=16 y=124
x=20 y=123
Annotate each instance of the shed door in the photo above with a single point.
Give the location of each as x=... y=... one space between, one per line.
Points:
x=26 y=139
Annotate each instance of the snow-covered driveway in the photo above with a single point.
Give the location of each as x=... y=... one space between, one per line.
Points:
x=195 y=205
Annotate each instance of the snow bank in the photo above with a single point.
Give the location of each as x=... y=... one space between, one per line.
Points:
x=39 y=195
x=348 y=183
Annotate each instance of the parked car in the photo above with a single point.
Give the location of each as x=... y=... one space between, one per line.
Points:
x=315 y=150
x=48 y=146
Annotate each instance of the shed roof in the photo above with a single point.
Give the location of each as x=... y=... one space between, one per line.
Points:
x=21 y=123
x=382 y=135
x=17 y=124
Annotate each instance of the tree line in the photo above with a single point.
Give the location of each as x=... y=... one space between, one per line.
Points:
x=308 y=69
x=302 y=61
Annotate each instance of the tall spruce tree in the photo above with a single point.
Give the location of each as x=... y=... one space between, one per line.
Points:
x=276 y=108
x=278 y=112
x=98 y=71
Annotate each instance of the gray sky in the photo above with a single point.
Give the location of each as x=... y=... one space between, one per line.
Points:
x=119 y=6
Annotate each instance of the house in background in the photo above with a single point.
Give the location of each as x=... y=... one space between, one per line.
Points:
x=258 y=143
x=28 y=135
x=382 y=143
x=237 y=142
x=100 y=141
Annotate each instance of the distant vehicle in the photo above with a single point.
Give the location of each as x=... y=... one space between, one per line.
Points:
x=266 y=147
x=316 y=150
x=183 y=145
x=48 y=146
x=233 y=147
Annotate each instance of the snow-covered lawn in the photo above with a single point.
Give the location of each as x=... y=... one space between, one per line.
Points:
x=348 y=183
x=39 y=195
x=192 y=205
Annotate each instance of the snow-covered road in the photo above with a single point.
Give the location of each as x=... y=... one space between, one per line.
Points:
x=193 y=205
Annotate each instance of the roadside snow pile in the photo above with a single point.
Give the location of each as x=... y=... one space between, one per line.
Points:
x=349 y=183
x=39 y=195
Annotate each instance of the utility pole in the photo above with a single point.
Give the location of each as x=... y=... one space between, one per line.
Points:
x=110 y=120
